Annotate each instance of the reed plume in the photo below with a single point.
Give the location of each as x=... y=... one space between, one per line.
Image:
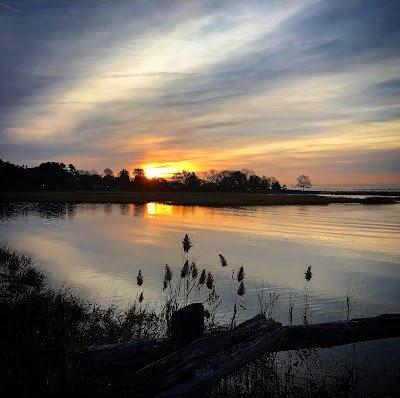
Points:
x=222 y=259
x=202 y=278
x=185 y=269
x=210 y=281
x=240 y=274
x=187 y=244
x=308 y=274
x=167 y=276
x=194 y=270
x=241 y=290
x=140 y=278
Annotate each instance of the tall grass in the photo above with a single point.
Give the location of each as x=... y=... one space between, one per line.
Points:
x=46 y=329
x=189 y=286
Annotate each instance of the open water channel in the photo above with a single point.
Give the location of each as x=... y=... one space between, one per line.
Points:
x=353 y=250
x=103 y=246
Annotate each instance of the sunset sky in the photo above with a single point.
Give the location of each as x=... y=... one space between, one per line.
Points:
x=282 y=87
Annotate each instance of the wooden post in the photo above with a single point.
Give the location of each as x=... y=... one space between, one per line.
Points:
x=187 y=325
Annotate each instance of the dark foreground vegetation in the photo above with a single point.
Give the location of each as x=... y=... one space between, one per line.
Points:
x=46 y=330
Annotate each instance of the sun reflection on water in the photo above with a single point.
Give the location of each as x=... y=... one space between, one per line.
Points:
x=153 y=209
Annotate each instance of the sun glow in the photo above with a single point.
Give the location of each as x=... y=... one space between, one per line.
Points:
x=155 y=170
x=159 y=171
x=152 y=172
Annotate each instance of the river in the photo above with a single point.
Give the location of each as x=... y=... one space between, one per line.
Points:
x=353 y=251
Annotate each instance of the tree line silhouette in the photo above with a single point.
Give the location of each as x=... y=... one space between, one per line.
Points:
x=52 y=176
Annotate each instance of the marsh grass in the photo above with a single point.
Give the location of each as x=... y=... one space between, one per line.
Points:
x=348 y=306
x=188 y=287
x=303 y=373
x=267 y=299
x=46 y=329
x=237 y=289
x=307 y=296
x=272 y=376
x=292 y=300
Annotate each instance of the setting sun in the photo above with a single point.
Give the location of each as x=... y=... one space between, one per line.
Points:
x=152 y=172
x=155 y=170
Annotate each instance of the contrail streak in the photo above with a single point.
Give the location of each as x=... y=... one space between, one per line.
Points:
x=10 y=8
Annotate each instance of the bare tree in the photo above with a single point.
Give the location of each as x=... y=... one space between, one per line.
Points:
x=303 y=182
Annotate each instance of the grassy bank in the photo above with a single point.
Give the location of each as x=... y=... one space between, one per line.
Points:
x=184 y=198
x=45 y=330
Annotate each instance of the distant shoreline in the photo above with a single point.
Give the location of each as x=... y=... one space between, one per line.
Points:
x=213 y=199
x=372 y=192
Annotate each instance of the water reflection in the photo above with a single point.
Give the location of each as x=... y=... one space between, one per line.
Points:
x=124 y=209
x=104 y=245
x=158 y=209
x=356 y=229
x=161 y=209
x=138 y=210
x=48 y=211
x=108 y=208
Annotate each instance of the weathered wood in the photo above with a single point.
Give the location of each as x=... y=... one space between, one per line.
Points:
x=141 y=353
x=187 y=325
x=332 y=334
x=198 y=366
x=134 y=354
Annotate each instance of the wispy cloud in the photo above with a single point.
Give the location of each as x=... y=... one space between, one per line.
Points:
x=275 y=86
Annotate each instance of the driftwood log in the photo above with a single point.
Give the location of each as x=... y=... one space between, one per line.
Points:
x=332 y=334
x=198 y=366
x=195 y=368
x=134 y=354
x=139 y=353
x=187 y=325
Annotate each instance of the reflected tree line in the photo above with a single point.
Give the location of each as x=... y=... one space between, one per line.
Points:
x=67 y=211
x=46 y=211
x=51 y=176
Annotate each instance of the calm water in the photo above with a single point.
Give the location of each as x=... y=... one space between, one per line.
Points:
x=102 y=247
